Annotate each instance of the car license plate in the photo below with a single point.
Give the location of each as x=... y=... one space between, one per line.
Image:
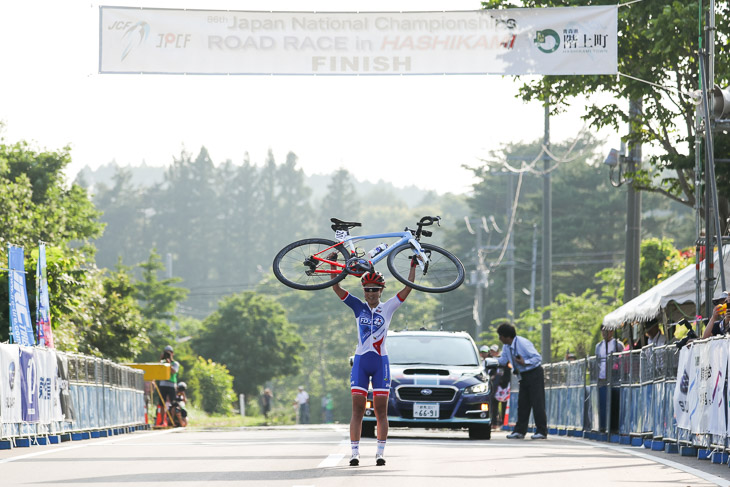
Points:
x=426 y=410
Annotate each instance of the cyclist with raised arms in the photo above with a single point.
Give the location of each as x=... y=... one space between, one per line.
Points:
x=371 y=364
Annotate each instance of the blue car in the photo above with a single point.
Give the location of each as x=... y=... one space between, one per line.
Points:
x=437 y=381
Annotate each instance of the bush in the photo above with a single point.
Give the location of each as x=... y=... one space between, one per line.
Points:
x=210 y=387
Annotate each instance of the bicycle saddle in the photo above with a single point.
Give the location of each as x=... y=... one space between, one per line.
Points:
x=340 y=225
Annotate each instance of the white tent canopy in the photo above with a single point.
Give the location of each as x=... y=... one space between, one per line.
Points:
x=679 y=288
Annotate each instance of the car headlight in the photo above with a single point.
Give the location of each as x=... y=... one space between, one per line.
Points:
x=480 y=388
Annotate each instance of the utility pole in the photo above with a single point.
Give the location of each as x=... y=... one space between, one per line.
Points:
x=633 y=211
x=534 y=267
x=510 y=255
x=547 y=247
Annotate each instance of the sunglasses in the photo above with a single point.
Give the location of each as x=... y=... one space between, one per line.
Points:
x=372 y=289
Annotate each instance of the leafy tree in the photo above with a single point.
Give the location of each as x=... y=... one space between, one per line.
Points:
x=654 y=44
x=113 y=327
x=157 y=300
x=250 y=335
x=341 y=201
x=210 y=387
x=36 y=205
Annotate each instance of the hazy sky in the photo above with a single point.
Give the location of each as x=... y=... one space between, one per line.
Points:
x=415 y=129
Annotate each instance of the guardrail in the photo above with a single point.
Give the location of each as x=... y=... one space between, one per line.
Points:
x=47 y=396
x=644 y=385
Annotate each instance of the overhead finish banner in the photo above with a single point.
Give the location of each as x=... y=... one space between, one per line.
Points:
x=552 y=41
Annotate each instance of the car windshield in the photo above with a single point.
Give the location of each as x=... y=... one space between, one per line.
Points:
x=431 y=350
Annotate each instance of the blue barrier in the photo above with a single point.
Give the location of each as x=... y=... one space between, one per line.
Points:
x=78 y=397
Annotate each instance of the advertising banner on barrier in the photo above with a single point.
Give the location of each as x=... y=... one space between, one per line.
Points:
x=10 y=401
x=682 y=388
x=64 y=407
x=700 y=400
x=516 y=41
x=717 y=367
x=29 y=385
x=43 y=307
x=21 y=326
x=46 y=367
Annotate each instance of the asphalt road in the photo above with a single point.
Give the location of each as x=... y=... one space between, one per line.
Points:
x=318 y=456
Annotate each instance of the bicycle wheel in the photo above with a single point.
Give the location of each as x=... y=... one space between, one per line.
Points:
x=444 y=272
x=300 y=264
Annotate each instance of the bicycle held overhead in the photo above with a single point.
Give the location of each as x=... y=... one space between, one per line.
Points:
x=305 y=265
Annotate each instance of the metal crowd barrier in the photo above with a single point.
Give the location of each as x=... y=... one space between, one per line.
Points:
x=75 y=393
x=643 y=379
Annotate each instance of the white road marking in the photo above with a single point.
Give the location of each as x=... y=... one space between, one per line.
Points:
x=83 y=445
x=637 y=453
x=331 y=460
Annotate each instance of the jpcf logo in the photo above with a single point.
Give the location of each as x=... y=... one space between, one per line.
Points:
x=542 y=39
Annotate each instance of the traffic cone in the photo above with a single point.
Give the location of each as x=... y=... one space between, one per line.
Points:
x=506 y=413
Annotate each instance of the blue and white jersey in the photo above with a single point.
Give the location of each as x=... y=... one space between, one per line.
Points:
x=372 y=325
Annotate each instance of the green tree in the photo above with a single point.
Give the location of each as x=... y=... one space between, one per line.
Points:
x=113 y=327
x=210 y=387
x=341 y=201
x=36 y=205
x=655 y=43
x=251 y=336
x=157 y=300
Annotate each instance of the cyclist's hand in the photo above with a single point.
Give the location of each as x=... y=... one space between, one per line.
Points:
x=414 y=261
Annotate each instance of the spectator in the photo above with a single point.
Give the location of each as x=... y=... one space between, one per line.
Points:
x=720 y=318
x=569 y=356
x=266 y=399
x=654 y=335
x=179 y=413
x=527 y=364
x=604 y=348
x=302 y=404
x=328 y=407
x=168 y=388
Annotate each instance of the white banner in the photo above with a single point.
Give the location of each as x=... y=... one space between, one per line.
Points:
x=10 y=407
x=682 y=388
x=557 y=41
x=717 y=365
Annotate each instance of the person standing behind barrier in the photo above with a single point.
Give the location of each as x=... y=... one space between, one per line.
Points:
x=501 y=389
x=527 y=363
x=604 y=348
x=168 y=388
x=653 y=335
x=719 y=323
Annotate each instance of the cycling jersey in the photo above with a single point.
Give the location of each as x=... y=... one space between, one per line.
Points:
x=372 y=325
x=371 y=363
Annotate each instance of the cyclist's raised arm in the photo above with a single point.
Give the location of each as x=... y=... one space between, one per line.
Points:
x=403 y=294
x=341 y=293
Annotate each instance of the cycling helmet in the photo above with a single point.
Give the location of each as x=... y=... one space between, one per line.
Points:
x=182 y=385
x=373 y=278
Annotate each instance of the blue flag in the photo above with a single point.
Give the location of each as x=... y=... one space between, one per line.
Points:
x=43 y=313
x=20 y=325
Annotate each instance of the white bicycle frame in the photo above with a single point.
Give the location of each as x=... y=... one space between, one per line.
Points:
x=404 y=237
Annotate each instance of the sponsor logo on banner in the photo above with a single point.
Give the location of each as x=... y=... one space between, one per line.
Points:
x=547 y=40
x=28 y=385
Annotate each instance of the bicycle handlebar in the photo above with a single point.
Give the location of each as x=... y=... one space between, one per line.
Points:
x=429 y=220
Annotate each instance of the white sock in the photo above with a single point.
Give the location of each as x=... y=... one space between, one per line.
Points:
x=381 y=447
x=355 y=447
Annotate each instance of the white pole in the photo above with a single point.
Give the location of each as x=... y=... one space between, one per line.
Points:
x=242 y=404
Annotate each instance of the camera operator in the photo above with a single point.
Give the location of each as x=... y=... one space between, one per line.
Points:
x=719 y=323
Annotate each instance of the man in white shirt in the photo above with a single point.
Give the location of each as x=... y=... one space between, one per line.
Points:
x=302 y=402
x=604 y=348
